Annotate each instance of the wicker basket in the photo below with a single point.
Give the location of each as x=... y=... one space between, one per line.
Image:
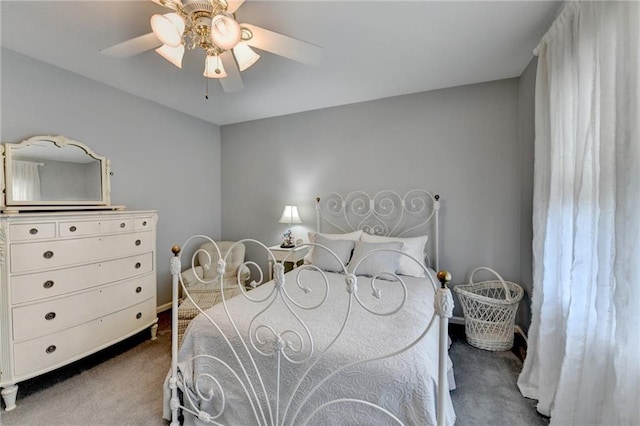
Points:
x=489 y=311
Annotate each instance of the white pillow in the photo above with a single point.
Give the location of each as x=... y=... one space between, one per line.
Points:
x=351 y=236
x=375 y=262
x=325 y=260
x=413 y=246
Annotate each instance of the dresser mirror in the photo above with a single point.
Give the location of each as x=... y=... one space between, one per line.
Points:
x=53 y=173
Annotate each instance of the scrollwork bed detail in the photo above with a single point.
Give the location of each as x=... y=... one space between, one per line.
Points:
x=385 y=213
x=284 y=349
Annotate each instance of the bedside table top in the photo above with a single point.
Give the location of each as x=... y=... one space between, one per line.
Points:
x=292 y=254
x=294 y=249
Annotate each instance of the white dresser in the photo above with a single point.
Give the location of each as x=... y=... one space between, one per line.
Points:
x=71 y=283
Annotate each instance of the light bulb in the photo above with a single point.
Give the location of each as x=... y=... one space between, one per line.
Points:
x=172 y=54
x=245 y=56
x=225 y=31
x=168 y=28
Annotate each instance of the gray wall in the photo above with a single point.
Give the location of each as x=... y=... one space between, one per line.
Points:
x=526 y=115
x=473 y=145
x=161 y=159
x=462 y=143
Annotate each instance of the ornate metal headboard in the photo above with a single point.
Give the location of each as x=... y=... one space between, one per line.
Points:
x=385 y=213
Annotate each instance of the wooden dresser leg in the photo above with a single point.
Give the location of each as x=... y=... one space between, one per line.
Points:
x=9 y=396
x=154 y=330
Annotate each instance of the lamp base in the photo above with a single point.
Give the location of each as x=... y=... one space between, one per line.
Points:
x=287 y=245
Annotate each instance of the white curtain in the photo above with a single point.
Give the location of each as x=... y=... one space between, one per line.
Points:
x=583 y=361
x=25 y=180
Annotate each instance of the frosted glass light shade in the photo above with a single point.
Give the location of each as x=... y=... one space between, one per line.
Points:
x=172 y=54
x=168 y=28
x=225 y=31
x=290 y=215
x=245 y=56
x=213 y=67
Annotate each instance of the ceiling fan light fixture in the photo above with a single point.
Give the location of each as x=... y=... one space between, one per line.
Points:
x=213 y=67
x=168 y=28
x=172 y=54
x=225 y=31
x=211 y=28
x=245 y=56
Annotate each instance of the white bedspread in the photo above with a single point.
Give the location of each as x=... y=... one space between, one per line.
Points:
x=405 y=384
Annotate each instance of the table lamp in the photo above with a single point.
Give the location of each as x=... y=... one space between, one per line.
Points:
x=289 y=216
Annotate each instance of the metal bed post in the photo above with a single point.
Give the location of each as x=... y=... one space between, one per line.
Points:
x=436 y=209
x=318 y=214
x=173 y=380
x=444 y=309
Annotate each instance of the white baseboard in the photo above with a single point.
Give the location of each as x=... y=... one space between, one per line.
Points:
x=456 y=320
x=163 y=308
x=521 y=332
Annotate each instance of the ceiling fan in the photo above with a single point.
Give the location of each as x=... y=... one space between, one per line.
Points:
x=211 y=26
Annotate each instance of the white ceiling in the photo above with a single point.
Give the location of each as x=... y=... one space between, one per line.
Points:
x=372 y=50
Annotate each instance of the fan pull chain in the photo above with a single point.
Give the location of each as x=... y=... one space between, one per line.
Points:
x=206 y=82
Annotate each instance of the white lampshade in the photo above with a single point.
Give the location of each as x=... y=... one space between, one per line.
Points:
x=290 y=215
x=245 y=56
x=168 y=28
x=172 y=54
x=213 y=68
x=225 y=31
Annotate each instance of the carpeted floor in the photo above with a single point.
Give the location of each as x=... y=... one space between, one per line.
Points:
x=486 y=392
x=122 y=385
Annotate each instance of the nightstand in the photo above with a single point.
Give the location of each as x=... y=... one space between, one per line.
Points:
x=292 y=255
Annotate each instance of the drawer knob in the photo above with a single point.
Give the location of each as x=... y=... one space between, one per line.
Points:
x=47 y=284
x=122 y=225
x=50 y=316
x=73 y=229
x=139 y=315
x=144 y=223
x=33 y=231
x=138 y=242
x=138 y=289
x=138 y=265
x=51 y=349
x=47 y=254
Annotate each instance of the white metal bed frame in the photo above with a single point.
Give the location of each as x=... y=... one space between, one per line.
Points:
x=385 y=213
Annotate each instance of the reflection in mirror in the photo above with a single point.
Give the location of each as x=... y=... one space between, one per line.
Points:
x=26 y=180
x=44 y=172
x=54 y=170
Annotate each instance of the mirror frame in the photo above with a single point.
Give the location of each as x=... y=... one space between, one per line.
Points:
x=59 y=141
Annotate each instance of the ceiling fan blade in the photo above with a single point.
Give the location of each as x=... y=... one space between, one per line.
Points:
x=283 y=45
x=233 y=81
x=132 y=47
x=234 y=5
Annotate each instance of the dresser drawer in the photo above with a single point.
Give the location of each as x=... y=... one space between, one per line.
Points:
x=32 y=231
x=95 y=227
x=41 y=285
x=143 y=223
x=48 y=352
x=46 y=255
x=51 y=315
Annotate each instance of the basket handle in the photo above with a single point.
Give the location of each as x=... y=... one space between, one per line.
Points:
x=507 y=293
